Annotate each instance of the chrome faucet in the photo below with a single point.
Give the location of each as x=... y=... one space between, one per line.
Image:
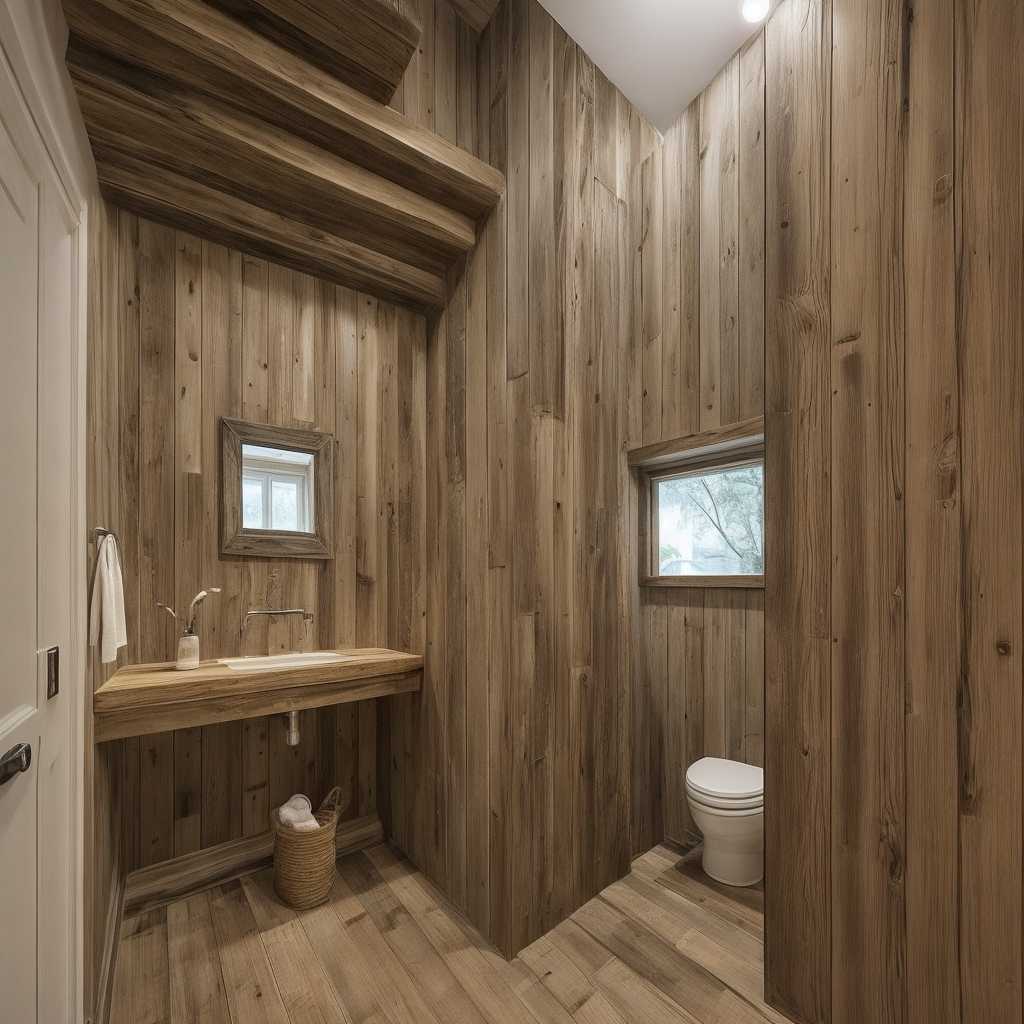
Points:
x=271 y=612
x=291 y=717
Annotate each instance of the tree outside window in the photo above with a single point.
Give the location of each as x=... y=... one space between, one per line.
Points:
x=711 y=522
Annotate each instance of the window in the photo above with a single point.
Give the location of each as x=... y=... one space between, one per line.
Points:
x=277 y=489
x=704 y=515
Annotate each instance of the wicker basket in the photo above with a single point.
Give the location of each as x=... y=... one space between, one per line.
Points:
x=304 y=861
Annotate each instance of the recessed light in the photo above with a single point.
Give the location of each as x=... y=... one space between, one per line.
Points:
x=756 y=10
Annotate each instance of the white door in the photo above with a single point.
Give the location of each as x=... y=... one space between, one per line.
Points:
x=37 y=323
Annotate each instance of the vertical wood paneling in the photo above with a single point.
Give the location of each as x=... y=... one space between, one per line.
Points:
x=753 y=679
x=509 y=528
x=222 y=798
x=701 y=695
x=546 y=381
x=867 y=572
x=205 y=332
x=477 y=696
x=797 y=626
x=188 y=522
x=123 y=248
x=188 y=789
x=346 y=340
x=606 y=116
x=525 y=420
x=517 y=186
x=255 y=408
x=651 y=707
x=498 y=575
x=933 y=554
x=155 y=283
x=989 y=226
x=431 y=810
x=222 y=396
x=702 y=364
x=564 y=730
x=719 y=240
x=155 y=813
x=673 y=349
x=686 y=363
x=546 y=353
x=750 y=272
x=651 y=302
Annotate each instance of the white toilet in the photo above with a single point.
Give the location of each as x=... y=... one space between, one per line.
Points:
x=726 y=800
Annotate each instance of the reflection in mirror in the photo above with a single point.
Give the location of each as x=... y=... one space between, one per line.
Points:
x=277 y=489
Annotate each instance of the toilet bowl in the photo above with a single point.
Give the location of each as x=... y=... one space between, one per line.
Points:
x=726 y=801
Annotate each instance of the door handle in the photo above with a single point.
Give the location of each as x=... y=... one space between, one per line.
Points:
x=14 y=762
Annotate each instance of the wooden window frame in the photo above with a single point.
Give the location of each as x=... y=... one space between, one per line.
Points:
x=269 y=473
x=733 y=447
x=234 y=538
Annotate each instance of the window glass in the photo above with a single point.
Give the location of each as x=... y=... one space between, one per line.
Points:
x=711 y=522
x=252 y=503
x=285 y=505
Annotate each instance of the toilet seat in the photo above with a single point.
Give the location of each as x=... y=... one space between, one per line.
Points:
x=753 y=806
x=725 y=785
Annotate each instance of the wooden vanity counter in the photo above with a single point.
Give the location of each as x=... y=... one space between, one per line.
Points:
x=142 y=699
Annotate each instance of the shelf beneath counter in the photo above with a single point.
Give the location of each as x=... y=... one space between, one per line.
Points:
x=142 y=699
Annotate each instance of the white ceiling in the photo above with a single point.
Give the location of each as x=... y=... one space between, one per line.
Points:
x=660 y=53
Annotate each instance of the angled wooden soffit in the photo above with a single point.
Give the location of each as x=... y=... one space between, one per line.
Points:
x=367 y=44
x=199 y=121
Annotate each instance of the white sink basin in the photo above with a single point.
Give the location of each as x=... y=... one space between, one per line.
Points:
x=278 y=661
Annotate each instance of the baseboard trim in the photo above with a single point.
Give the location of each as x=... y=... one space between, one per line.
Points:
x=170 y=880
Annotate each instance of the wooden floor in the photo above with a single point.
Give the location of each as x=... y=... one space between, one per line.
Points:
x=663 y=945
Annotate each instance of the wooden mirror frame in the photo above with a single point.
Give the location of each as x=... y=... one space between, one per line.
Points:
x=234 y=538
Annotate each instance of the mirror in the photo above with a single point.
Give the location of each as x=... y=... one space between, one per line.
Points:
x=276 y=491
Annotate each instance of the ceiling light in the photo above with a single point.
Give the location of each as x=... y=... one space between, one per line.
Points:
x=756 y=10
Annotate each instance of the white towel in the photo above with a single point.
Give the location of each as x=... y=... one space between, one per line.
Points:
x=107 y=626
x=297 y=814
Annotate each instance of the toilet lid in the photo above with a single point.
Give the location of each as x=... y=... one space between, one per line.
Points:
x=728 y=780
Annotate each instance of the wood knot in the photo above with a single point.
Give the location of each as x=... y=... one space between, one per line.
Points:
x=1004 y=648
x=942 y=189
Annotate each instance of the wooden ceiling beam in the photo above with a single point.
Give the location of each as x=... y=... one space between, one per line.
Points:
x=170 y=198
x=367 y=44
x=198 y=137
x=208 y=50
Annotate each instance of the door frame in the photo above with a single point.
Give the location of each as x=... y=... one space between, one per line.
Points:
x=33 y=37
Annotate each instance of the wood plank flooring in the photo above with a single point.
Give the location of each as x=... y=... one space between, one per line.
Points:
x=665 y=945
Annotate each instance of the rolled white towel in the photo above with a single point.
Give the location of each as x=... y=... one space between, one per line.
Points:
x=297 y=813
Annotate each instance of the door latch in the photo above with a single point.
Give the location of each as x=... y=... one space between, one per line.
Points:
x=14 y=762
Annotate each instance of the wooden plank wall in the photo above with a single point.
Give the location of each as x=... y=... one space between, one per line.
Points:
x=894 y=418
x=620 y=295
x=509 y=779
x=103 y=765
x=200 y=332
x=700 y=693
x=700 y=292
x=798 y=528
